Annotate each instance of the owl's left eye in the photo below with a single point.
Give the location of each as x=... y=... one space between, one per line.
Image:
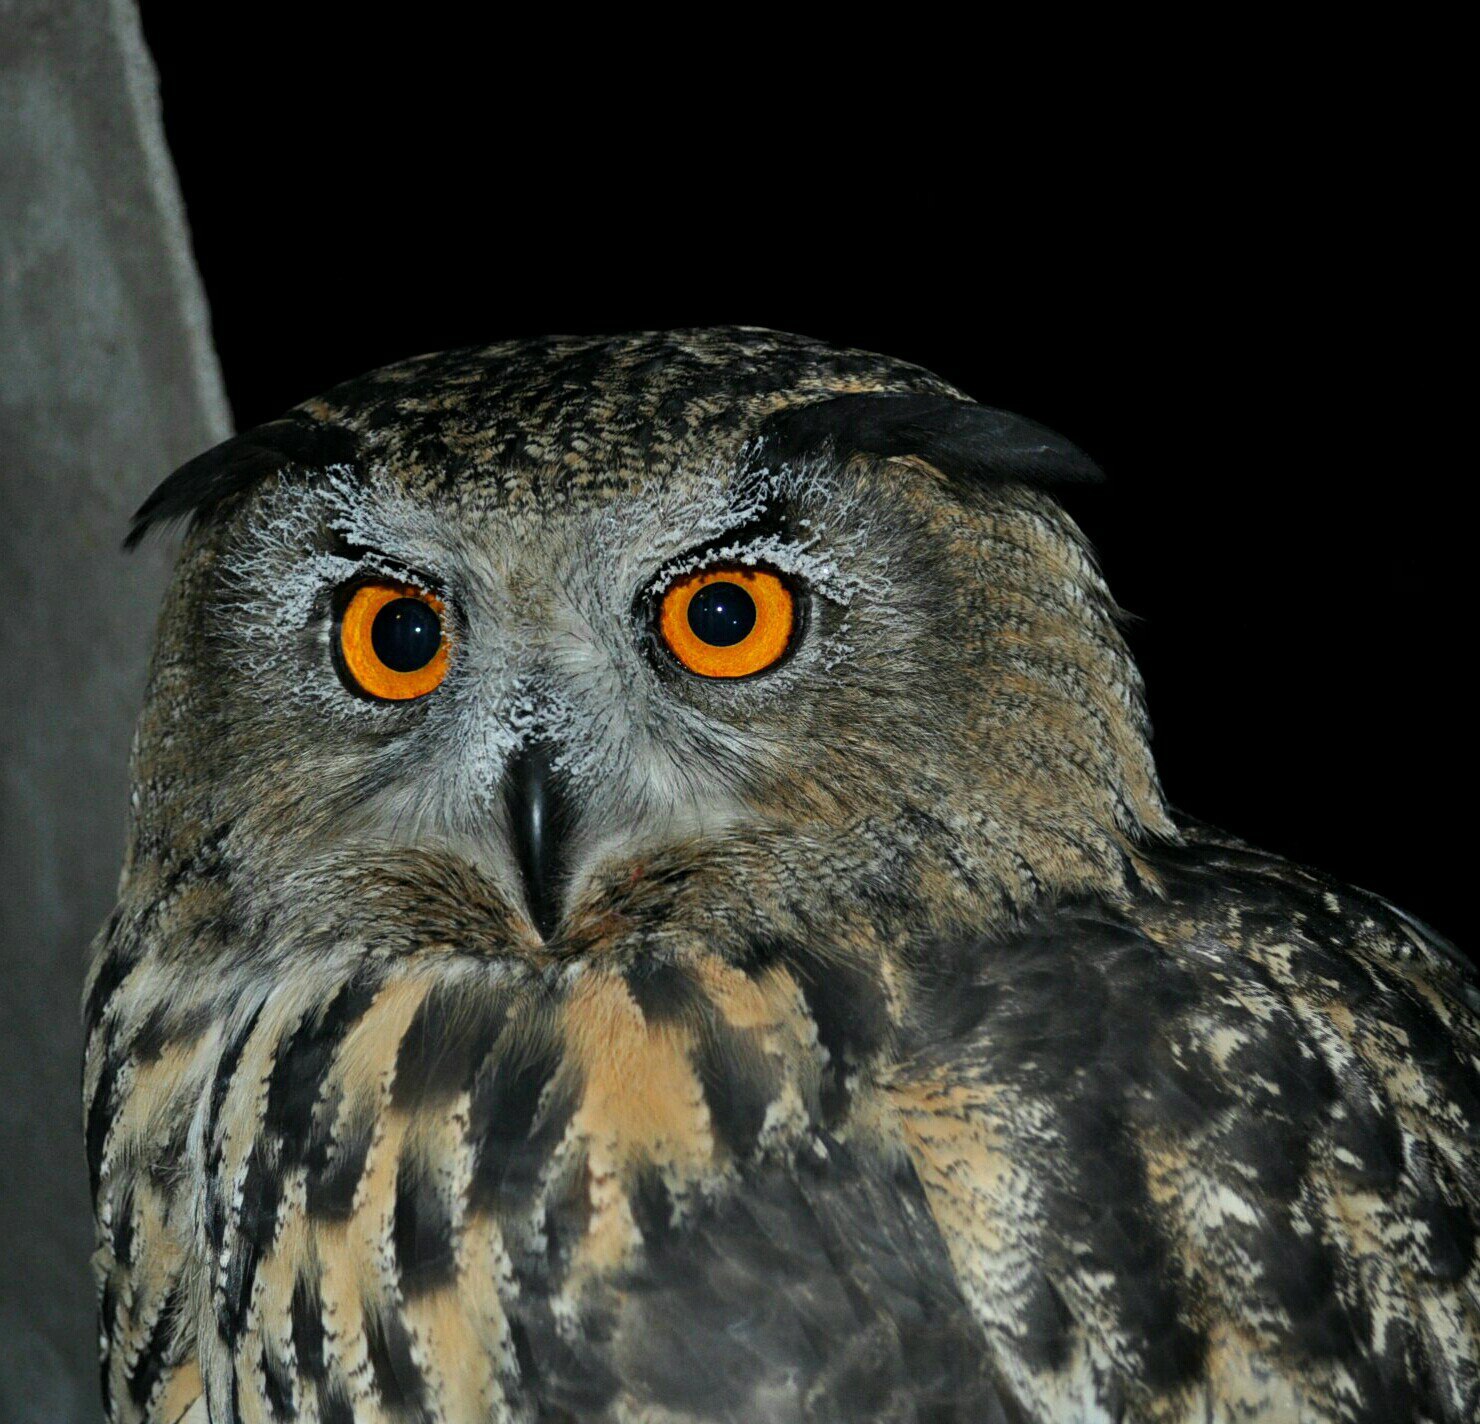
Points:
x=393 y=641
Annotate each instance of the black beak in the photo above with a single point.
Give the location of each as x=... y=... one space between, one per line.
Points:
x=539 y=819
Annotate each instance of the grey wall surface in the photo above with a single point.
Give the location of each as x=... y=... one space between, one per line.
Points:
x=107 y=381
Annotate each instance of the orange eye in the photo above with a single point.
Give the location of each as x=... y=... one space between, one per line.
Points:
x=727 y=622
x=393 y=641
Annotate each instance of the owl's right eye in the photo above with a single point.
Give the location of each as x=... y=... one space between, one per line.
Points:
x=393 y=641
x=729 y=621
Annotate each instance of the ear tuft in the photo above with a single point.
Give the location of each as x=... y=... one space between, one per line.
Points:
x=964 y=441
x=235 y=465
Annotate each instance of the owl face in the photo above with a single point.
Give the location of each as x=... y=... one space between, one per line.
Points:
x=676 y=621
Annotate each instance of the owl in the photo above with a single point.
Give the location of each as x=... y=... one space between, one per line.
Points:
x=649 y=900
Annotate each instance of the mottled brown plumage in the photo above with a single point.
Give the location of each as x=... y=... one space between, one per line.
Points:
x=896 y=1056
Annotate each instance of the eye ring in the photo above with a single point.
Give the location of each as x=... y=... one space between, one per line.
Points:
x=382 y=641
x=728 y=622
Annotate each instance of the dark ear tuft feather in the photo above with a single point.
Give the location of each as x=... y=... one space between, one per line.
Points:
x=963 y=440
x=235 y=465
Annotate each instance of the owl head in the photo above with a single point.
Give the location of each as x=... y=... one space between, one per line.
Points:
x=596 y=644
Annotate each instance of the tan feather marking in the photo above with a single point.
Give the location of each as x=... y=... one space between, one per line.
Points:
x=453 y=1353
x=367 y=1058
x=984 y=1203
x=270 y=1319
x=155 y=1099
x=246 y=1097
x=1245 y=1384
x=770 y=1002
x=160 y=1257
x=485 y=1281
x=975 y=1195
x=242 y=1110
x=1356 y=1219
x=969 y=1182
x=980 y=1192
x=459 y=1332
x=1246 y=1369
x=355 y=1257
x=642 y=1102
x=773 y=1007
x=183 y=1390
x=153 y=1103
x=1451 y=1321
x=959 y=1159
x=251 y=1398
x=1385 y=1052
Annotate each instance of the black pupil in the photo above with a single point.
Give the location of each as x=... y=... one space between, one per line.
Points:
x=721 y=614
x=406 y=634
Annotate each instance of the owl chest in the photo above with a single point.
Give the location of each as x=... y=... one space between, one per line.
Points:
x=429 y=1193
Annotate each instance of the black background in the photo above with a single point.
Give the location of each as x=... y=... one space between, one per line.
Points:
x=1231 y=288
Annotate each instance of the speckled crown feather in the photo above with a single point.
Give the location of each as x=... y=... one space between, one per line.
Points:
x=567 y=419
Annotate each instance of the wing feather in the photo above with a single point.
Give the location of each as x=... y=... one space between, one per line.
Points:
x=1215 y=1154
